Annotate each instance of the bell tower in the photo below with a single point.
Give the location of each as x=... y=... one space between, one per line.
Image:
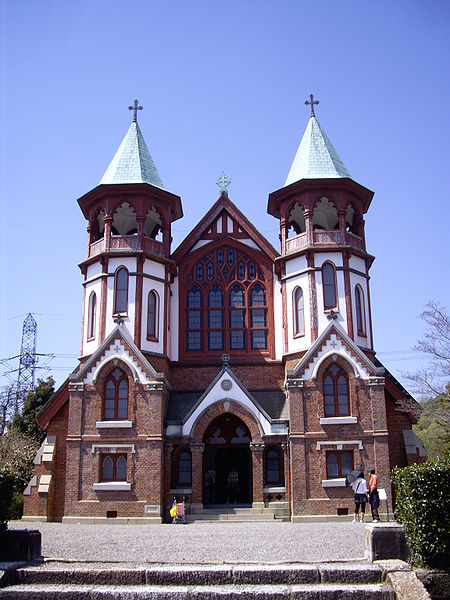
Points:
x=128 y=268
x=324 y=264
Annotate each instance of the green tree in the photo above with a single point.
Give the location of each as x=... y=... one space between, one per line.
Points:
x=433 y=382
x=17 y=452
x=433 y=427
x=26 y=422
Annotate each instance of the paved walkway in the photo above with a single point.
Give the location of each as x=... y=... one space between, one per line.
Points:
x=264 y=542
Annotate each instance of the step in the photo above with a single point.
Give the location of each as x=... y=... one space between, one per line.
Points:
x=198 y=574
x=323 y=591
x=235 y=517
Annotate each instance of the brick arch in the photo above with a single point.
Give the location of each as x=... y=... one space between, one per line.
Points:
x=217 y=410
x=347 y=365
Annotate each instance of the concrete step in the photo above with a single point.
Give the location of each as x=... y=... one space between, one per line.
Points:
x=348 y=580
x=322 y=591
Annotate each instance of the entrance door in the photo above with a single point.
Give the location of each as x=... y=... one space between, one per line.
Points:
x=227 y=463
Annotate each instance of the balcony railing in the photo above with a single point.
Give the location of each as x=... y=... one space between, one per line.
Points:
x=323 y=238
x=127 y=243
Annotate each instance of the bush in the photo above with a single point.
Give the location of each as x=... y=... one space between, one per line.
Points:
x=16 y=468
x=421 y=503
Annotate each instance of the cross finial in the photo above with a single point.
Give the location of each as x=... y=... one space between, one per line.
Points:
x=135 y=108
x=312 y=102
x=223 y=182
x=225 y=359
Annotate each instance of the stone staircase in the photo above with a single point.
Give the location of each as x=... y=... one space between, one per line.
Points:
x=324 y=581
x=227 y=512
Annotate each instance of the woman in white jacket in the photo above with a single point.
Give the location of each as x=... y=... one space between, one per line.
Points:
x=360 y=488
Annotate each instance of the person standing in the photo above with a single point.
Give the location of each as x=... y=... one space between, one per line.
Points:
x=360 y=488
x=374 y=498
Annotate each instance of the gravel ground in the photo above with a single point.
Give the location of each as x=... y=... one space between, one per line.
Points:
x=201 y=542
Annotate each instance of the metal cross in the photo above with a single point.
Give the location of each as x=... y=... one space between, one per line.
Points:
x=225 y=359
x=135 y=108
x=223 y=182
x=312 y=102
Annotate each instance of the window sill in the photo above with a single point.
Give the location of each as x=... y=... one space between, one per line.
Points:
x=152 y=338
x=338 y=420
x=114 y=424
x=299 y=335
x=112 y=486
x=362 y=334
x=338 y=482
x=274 y=489
x=179 y=491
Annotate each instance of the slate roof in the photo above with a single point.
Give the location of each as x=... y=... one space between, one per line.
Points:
x=273 y=402
x=132 y=162
x=316 y=157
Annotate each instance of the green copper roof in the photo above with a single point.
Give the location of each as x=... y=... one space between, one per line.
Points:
x=316 y=156
x=132 y=162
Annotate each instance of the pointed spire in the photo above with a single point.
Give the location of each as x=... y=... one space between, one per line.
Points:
x=316 y=157
x=132 y=162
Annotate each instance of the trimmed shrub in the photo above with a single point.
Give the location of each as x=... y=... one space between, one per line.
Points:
x=422 y=493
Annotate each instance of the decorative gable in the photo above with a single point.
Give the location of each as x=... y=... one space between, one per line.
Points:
x=335 y=341
x=117 y=346
x=225 y=388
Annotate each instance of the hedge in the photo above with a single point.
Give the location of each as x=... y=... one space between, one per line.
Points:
x=422 y=496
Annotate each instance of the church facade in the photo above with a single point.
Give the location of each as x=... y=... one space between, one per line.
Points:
x=224 y=372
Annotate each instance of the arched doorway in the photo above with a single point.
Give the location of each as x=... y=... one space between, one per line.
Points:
x=227 y=464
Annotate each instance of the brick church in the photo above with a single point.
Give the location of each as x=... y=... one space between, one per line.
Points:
x=225 y=371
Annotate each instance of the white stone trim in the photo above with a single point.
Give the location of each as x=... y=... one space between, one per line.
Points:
x=112 y=448
x=113 y=424
x=338 y=482
x=112 y=486
x=44 y=483
x=334 y=345
x=235 y=394
x=338 y=420
x=274 y=490
x=339 y=443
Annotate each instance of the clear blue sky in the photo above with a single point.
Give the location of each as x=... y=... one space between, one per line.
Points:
x=223 y=86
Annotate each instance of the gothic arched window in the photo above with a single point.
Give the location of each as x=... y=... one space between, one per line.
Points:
x=226 y=303
x=360 y=311
x=215 y=319
x=299 y=312
x=115 y=403
x=339 y=464
x=258 y=317
x=335 y=392
x=194 y=338
x=329 y=286
x=92 y=312
x=113 y=467
x=121 y=291
x=152 y=316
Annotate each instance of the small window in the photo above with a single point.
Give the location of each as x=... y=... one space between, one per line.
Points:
x=360 y=311
x=181 y=468
x=113 y=467
x=152 y=316
x=115 y=405
x=329 y=286
x=92 y=313
x=121 y=291
x=339 y=464
x=335 y=392
x=274 y=468
x=299 y=313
